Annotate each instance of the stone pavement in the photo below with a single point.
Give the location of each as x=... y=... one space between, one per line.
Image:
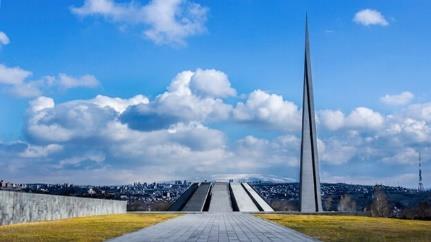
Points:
x=215 y=227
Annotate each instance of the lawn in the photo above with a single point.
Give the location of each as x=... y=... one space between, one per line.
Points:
x=354 y=228
x=95 y=228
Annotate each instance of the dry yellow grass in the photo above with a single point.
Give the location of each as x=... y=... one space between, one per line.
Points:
x=95 y=228
x=355 y=228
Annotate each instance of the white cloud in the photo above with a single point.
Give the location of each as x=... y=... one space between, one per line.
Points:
x=67 y=82
x=77 y=160
x=336 y=152
x=332 y=119
x=103 y=7
x=420 y=111
x=13 y=75
x=173 y=135
x=162 y=21
x=67 y=121
x=363 y=117
x=407 y=156
x=211 y=83
x=119 y=104
x=398 y=99
x=269 y=109
x=410 y=129
x=41 y=103
x=369 y=17
x=182 y=103
x=18 y=83
x=172 y=21
x=178 y=150
x=4 y=39
x=263 y=153
x=15 y=80
x=34 y=151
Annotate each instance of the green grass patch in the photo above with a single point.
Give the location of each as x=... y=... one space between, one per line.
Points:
x=354 y=228
x=95 y=228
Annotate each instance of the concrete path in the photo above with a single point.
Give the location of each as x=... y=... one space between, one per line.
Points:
x=220 y=198
x=215 y=227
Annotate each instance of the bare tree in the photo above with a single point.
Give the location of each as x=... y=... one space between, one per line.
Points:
x=347 y=204
x=380 y=206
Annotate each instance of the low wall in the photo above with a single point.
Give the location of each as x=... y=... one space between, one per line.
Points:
x=19 y=207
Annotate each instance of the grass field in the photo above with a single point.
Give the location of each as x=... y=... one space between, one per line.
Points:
x=96 y=228
x=355 y=228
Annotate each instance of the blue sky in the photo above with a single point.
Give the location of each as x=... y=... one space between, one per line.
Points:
x=104 y=91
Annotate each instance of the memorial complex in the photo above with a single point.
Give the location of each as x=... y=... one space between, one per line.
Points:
x=223 y=197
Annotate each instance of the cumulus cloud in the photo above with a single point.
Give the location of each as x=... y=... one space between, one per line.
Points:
x=363 y=117
x=270 y=109
x=162 y=21
x=184 y=101
x=359 y=118
x=167 y=135
x=41 y=103
x=4 y=39
x=332 y=119
x=119 y=104
x=34 y=151
x=409 y=129
x=397 y=99
x=420 y=111
x=253 y=151
x=13 y=75
x=15 y=81
x=407 y=155
x=182 y=133
x=336 y=152
x=369 y=17
x=83 y=127
x=66 y=81
x=18 y=83
x=66 y=122
x=211 y=83
x=76 y=161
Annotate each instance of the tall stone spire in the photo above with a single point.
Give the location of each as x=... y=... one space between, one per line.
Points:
x=310 y=200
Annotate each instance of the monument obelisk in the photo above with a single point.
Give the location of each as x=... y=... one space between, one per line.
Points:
x=310 y=200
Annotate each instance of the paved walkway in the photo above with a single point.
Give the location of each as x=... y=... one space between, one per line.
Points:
x=215 y=227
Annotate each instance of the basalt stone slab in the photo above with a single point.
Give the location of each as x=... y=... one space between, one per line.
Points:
x=197 y=201
x=220 y=198
x=18 y=207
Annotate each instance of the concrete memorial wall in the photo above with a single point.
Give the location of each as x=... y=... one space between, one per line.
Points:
x=19 y=207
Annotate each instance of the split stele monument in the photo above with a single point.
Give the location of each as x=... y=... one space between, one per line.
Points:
x=309 y=181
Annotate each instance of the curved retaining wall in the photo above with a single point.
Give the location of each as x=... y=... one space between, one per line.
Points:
x=19 y=207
